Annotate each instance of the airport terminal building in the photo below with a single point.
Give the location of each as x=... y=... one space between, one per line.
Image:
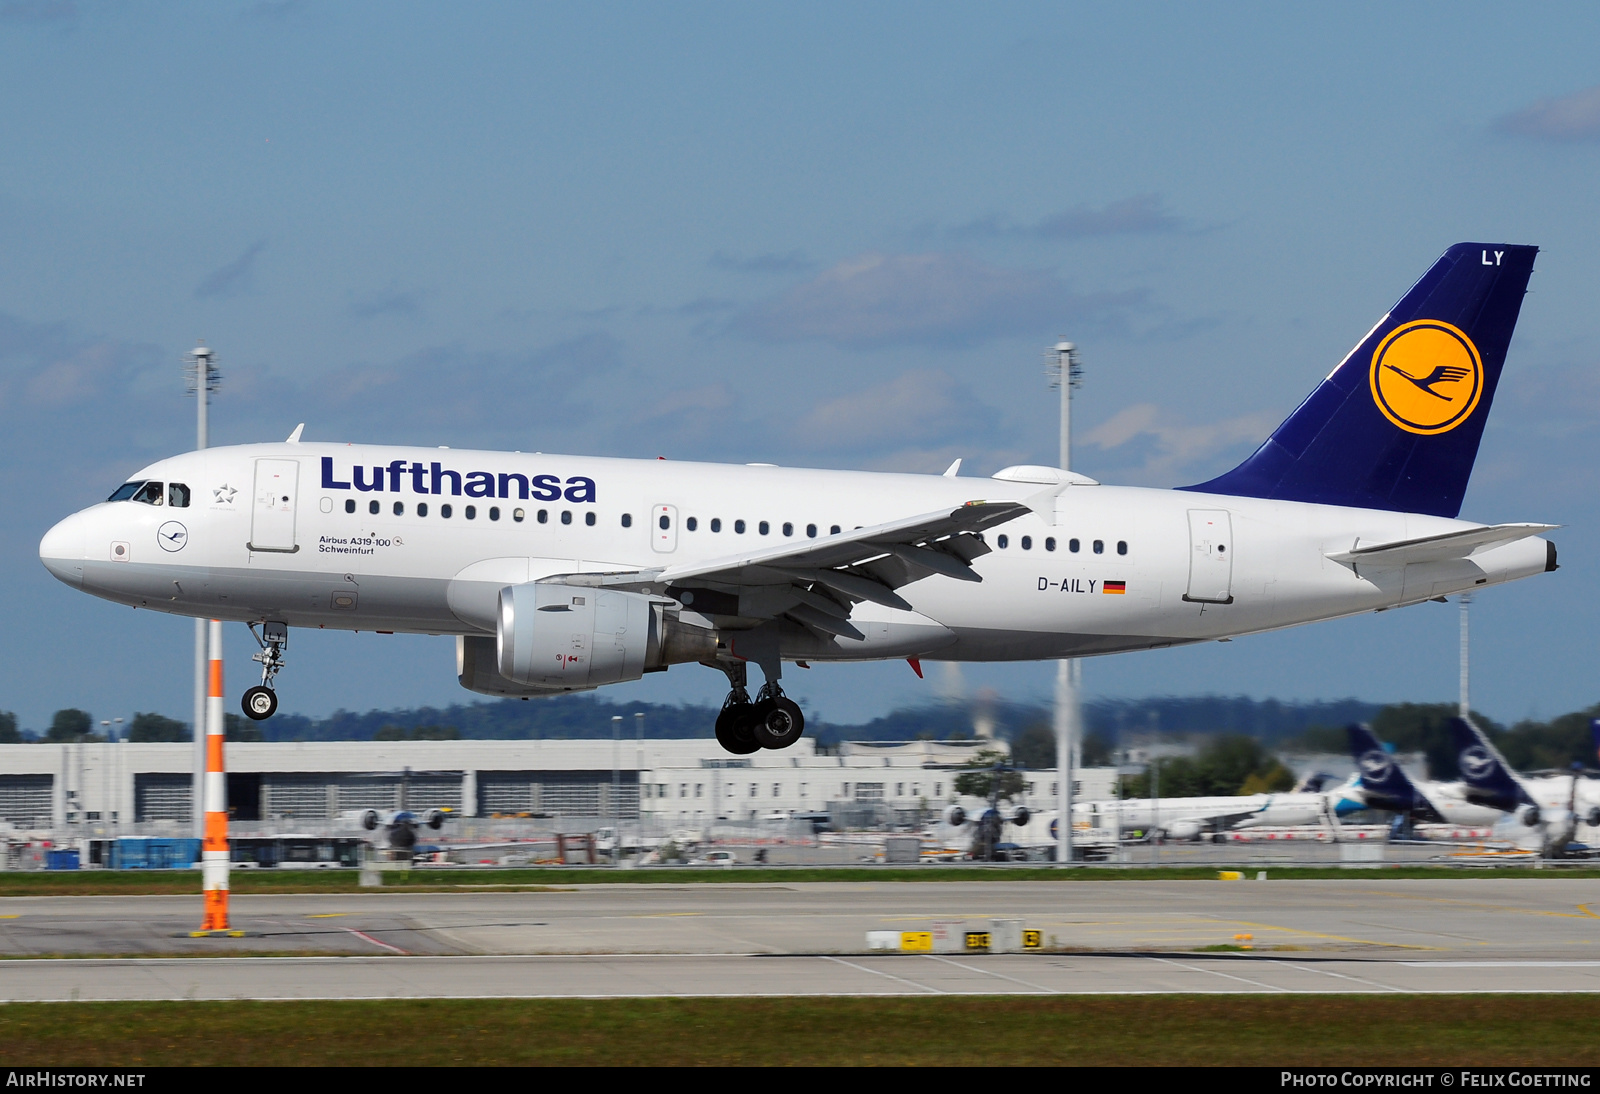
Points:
x=307 y=785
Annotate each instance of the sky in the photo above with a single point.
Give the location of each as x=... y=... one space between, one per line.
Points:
x=832 y=235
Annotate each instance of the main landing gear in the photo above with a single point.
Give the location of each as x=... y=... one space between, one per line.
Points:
x=772 y=721
x=261 y=702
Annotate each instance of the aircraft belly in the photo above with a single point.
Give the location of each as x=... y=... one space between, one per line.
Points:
x=331 y=601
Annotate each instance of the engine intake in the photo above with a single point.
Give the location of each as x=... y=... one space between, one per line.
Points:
x=569 y=637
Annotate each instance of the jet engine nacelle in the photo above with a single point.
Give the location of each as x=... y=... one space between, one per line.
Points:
x=1020 y=817
x=361 y=818
x=577 y=636
x=1592 y=817
x=1185 y=829
x=1529 y=815
x=434 y=818
x=955 y=816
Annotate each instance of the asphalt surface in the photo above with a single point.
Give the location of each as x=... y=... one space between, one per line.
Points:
x=1365 y=933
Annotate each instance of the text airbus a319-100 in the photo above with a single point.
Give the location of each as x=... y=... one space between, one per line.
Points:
x=564 y=573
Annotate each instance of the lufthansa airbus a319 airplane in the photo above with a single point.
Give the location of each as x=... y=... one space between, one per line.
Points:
x=564 y=573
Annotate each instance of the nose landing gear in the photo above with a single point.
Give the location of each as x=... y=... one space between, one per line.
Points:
x=261 y=702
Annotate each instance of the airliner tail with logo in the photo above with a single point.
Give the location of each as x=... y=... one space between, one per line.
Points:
x=564 y=573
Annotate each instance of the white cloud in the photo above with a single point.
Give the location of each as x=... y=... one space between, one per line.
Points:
x=1157 y=449
x=1138 y=215
x=882 y=299
x=915 y=408
x=1574 y=117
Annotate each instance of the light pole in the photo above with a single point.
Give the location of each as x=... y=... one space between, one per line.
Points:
x=616 y=790
x=1066 y=375
x=1465 y=701
x=200 y=369
x=638 y=732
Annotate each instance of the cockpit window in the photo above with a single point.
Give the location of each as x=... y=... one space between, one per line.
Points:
x=178 y=495
x=149 y=493
x=126 y=491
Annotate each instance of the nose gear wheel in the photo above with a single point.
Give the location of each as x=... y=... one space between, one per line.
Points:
x=261 y=702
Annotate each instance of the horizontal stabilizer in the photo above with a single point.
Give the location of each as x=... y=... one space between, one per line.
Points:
x=1438 y=548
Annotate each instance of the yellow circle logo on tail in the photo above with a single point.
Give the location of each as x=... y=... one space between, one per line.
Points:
x=1426 y=376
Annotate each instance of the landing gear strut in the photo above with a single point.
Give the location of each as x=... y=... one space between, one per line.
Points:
x=772 y=721
x=261 y=702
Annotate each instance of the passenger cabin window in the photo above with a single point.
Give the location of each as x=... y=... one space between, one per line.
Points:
x=1002 y=542
x=373 y=507
x=494 y=512
x=627 y=520
x=422 y=508
x=471 y=512
x=811 y=531
x=738 y=526
x=399 y=508
x=517 y=515
x=691 y=524
x=1122 y=546
x=126 y=491
x=716 y=524
x=1027 y=543
x=566 y=516
x=1050 y=543
x=149 y=493
x=1072 y=545
x=834 y=530
x=1099 y=546
x=445 y=510
x=588 y=518
x=788 y=528
x=763 y=527
x=177 y=495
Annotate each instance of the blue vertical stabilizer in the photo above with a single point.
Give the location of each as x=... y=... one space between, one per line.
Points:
x=1396 y=426
x=1383 y=784
x=1487 y=777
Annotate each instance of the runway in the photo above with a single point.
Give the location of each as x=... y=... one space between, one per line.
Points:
x=1360 y=934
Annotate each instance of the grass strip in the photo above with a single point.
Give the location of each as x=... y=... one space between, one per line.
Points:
x=1174 y=1030
x=164 y=882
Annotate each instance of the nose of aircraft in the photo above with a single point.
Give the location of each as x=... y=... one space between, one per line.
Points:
x=62 y=549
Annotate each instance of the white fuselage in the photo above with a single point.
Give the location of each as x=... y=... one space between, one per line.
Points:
x=335 y=536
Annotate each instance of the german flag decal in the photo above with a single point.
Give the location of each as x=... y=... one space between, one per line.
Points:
x=1117 y=588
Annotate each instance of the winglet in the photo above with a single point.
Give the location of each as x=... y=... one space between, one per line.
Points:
x=294 y=438
x=954 y=469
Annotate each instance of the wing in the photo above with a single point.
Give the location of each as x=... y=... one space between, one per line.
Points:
x=816 y=582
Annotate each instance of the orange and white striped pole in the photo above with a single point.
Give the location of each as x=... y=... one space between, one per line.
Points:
x=214 y=847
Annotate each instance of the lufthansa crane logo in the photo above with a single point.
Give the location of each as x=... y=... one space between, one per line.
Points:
x=1476 y=762
x=172 y=536
x=1426 y=377
x=1376 y=766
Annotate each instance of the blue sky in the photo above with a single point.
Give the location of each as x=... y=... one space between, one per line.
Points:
x=832 y=234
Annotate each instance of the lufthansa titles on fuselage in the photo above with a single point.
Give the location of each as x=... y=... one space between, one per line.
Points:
x=435 y=478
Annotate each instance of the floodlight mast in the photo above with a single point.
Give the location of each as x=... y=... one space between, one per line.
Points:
x=200 y=370
x=1066 y=375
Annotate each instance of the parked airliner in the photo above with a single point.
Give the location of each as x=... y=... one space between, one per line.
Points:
x=565 y=573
